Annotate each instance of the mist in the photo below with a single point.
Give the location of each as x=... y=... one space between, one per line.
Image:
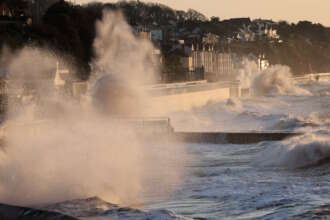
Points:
x=57 y=150
x=275 y=80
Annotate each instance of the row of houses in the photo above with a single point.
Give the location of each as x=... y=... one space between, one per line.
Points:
x=210 y=64
x=199 y=64
x=248 y=31
x=258 y=30
x=205 y=61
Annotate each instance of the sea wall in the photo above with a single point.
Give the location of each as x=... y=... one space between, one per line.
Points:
x=312 y=77
x=184 y=96
x=232 y=137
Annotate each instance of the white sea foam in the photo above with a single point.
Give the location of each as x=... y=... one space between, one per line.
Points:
x=298 y=152
x=276 y=80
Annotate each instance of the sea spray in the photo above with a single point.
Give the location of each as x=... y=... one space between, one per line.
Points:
x=275 y=80
x=247 y=73
x=247 y=114
x=129 y=58
x=121 y=53
x=76 y=152
x=31 y=79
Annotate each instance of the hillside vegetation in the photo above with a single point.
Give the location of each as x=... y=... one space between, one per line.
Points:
x=70 y=29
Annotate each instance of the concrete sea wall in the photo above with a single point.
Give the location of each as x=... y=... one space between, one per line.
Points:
x=251 y=137
x=312 y=77
x=184 y=96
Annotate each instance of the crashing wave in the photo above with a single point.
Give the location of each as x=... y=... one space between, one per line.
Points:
x=310 y=149
x=277 y=80
x=294 y=123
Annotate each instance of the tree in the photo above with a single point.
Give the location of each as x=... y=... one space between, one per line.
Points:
x=215 y=19
x=195 y=15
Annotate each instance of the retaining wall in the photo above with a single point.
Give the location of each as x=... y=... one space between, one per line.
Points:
x=181 y=97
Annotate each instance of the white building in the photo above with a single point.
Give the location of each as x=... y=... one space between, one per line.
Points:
x=271 y=33
x=263 y=63
x=246 y=34
x=266 y=29
x=61 y=77
x=261 y=29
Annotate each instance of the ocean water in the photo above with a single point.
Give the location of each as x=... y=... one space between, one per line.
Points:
x=288 y=179
x=271 y=180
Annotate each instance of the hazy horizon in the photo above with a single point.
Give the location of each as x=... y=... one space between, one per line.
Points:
x=292 y=11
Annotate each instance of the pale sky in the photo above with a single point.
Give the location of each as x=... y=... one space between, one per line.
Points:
x=290 y=10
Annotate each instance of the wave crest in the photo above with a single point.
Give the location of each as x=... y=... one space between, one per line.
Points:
x=303 y=151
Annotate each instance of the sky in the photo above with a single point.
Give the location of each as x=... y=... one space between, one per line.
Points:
x=317 y=11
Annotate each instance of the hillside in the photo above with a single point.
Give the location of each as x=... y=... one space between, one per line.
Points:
x=304 y=46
